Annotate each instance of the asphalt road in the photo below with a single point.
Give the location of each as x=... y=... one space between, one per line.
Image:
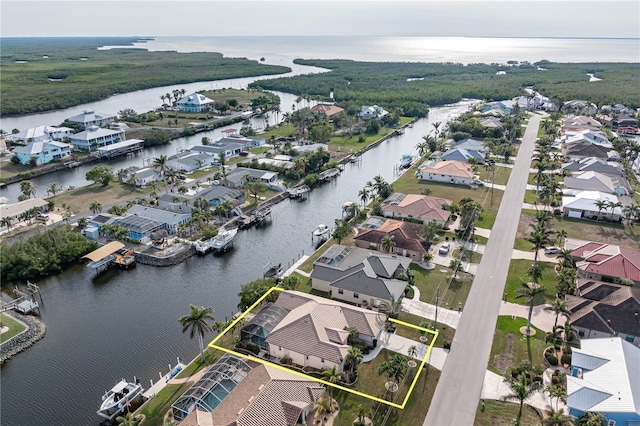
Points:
x=458 y=392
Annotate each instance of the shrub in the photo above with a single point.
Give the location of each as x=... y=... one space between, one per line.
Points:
x=446 y=344
x=566 y=359
x=286 y=360
x=551 y=359
x=375 y=342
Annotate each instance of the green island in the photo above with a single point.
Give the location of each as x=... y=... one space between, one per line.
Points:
x=47 y=74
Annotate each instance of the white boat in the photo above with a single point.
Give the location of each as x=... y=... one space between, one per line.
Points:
x=116 y=400
x=321 y=230
x=405 y=161
x=223 y=239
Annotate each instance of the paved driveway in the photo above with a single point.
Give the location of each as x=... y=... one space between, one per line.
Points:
x=456 y=397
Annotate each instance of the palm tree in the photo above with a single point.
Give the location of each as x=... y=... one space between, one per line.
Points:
x=95 y=207
x=353 y=358
x=530 y=291
x=557 y=418
x=436 y=128
x=554 y=337
x=540 y=238
x=431 y=142
x=427 y=257
x=556 y=392
x=161 y=163
x=364 y=196
x=561 y=237
x=362 y=413
x=412 y=351
x=323 y=406
x=394 y=368
x=127 y=420
x=196 y=323
x=391 y=307
x=612 y=205
x=27 y=188
x=565 y=260
x=53 y=188
x=591 y=419
x=332 y=375
x=430 y=231
x=222 y=159
x=388 y=244
x=6 y=221
x=559 y=307
x=601 y=205
x=568 y=333
x=521 y=388
x=422 y=148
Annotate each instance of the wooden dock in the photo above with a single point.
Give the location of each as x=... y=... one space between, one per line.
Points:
x=328 y=174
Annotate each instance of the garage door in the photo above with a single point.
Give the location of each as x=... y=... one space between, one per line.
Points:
x=576 y=214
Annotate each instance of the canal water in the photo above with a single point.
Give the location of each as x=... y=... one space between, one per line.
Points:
x=124 y=323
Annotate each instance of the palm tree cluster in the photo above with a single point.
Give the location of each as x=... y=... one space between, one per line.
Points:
x=173 y=97
x=548 y=166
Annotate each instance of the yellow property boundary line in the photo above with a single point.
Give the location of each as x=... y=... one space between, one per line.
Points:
x=213 y=345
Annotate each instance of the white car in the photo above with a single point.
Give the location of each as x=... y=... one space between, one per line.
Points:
x=444 y=248
x=551 y=250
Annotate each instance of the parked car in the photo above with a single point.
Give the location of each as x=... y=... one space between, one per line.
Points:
x=551 y=250
x=444 y=248
x=244 y=153
x=42 y=218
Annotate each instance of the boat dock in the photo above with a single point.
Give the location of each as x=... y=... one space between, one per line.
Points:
x=25 y=303
x=328 y=174
x=298 y=191
x=107 y=255
x=163 y=381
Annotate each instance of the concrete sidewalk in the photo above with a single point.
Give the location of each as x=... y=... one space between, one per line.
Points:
x=428 y=311
x=540 y=318
x=401 y=345
x=529 y=255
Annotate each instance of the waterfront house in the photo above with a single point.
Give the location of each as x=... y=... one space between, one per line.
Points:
x=583 y=204
x=592 y=164
x=367 y=112
x=498 y=108
x=360 y=276
x=194 y=102
x=578 y=123
x=594 y=181
x=310 y=330
x=600 y=309
x=421 y=208
x=90 y=118
x=605 y=378
x=143 y=177
x=406 y=237
x=579 y=106
x=95 y=137
x=490 y=122
x=214 y=195
x=455 y=172
x=14 y=210
x=240 y=175
x=190 y=161
x=237 y=391
x=167 y=219
x=326 y=109
x=43 y=152
x=40 y=134
x=607 y=262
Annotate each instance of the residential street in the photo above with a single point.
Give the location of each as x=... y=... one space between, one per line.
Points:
x=456 y=397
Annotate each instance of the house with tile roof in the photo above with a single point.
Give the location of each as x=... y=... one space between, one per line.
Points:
x=326 y=109
x=367 y=112
x=88 y=118
x=580 y=204
x=44 y=152
x=194 y=102
x=455 y=172
x=406 y=236
x=595 y=181
x=592 y=164
x=578 y=123
x=421 y=208
x=239 y=392
x=360 y=276
x=605 y=378
x=600 y=309
x=579 y=106
x=313 y=331
x=584 y=149
x=40 y=134
x=607 y=262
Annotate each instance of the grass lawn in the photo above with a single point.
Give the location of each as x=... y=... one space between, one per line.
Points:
x=307 y=265
x=81 y=198
x=155 y=409
x=15 y=327
x=445 y=333
x=510 y=346
x=472 y=256
x=429 y=280
x=502 y=174
x=518 y=270
x=499 y=413
x=415 y=410
x=583 y=229
x=348 y=144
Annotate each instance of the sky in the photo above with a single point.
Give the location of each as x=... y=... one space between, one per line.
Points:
x=450 y=18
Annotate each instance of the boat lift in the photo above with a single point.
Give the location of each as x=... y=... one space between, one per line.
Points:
x=102 y=257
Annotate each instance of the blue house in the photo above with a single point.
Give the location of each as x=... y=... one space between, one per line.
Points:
x=44 y=152
x=605 y=378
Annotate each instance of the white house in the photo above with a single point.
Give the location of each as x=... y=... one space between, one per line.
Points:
x=194 y=102
x=375 y=111
x=578 y=106
x=90 y=118
x=143 y=177
x=95 y=137
x=41 y=134
x=455 y=172
x=190 y=161
x=584 y=204
x=44 y=152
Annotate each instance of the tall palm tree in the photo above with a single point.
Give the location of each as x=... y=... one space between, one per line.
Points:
x=530 y=291
x=559 y=307
x=161 y=163
x=430 y=231
x=196 y=322
x=557 y=418
x=332 y=375
x=27 y=188
x=96 y=207
x=540 y=238
x=323 y=406
x=362 y=414
x=364 y=196
x=522 y=387
x=392 y=307
x=353 y=358
x=436 y=128
x=388 y=243
x=556 y=392
x=53 y=188
x=561 y=237
x=601 y=205
x=612 y=205
x=394 y=368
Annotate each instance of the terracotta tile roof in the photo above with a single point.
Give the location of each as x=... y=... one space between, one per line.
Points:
x=327 y=110
x=450 y=168
x=406 y=235
x=610 y=260
x=424 y=207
